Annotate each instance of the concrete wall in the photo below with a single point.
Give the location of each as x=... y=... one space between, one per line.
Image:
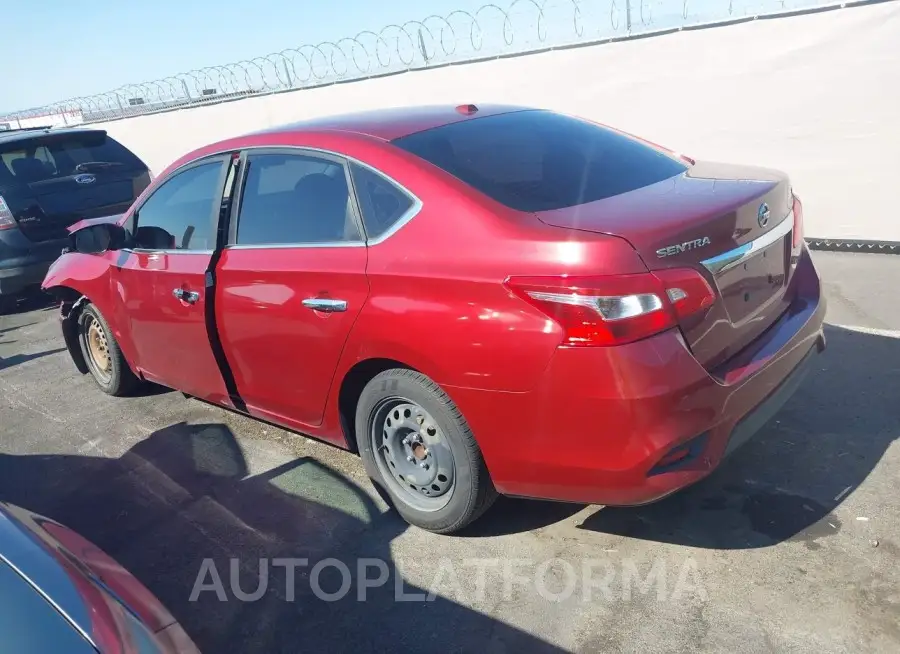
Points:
x=817 y=95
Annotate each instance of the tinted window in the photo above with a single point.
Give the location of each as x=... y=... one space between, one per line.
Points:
x=290 y=199
x=28 y=623
x=539 y=160
x=381 y=202
x=179 y=213
x=61 y=155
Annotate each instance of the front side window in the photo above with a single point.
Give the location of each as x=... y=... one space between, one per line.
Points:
x=381 y=202
x=179 y=214
x=294 y=199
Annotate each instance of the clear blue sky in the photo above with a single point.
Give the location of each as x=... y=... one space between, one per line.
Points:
x=58 y=49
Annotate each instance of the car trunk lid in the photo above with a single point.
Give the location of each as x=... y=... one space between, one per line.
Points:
x=724 y=220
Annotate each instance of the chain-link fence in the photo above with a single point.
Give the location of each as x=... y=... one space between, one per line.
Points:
x=493 y=30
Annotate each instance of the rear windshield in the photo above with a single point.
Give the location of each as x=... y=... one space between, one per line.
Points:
x=51 y=156
x=539 y=160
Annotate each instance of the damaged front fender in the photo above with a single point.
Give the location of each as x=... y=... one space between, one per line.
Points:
x=76 y=279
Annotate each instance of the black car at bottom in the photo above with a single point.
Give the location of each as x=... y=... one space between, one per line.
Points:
x=61 y=593
x=49 y=179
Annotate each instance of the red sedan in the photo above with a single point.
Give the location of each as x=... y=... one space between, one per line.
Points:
x=476 y=299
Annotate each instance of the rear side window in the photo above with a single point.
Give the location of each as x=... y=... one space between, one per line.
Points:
x=62 y=155
x=540 y=160
x=293 y=199
x=382 y=203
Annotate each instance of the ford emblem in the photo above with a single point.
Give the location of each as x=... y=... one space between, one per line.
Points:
x=762 y=216
x=85 y=179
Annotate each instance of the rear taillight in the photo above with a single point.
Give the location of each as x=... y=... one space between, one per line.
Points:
x=616 y=309
x=798 y=223
x=6 y=218
x=687 y=290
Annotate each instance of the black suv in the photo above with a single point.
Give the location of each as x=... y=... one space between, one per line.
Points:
x=49 y=179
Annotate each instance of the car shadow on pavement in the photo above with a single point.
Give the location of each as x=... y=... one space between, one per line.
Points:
x=184 y=514
x=7 y=330
x=787 y=481
x=16 y=359
x=33 y=300
x=511 y=515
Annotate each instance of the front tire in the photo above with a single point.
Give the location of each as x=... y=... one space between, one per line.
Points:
x=419 y=450
x=102 y=354
x=8 y=304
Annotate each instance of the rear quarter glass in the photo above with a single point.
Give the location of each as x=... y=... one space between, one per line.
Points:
x=537 y=160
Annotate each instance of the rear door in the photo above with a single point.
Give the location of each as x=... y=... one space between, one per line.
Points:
x=53 y=180
x=291 y=282
x=163 y=279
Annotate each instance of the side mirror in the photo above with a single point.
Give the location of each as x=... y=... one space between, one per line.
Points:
x=96 y=239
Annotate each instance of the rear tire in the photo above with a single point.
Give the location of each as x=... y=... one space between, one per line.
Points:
x=419 y=451
x=102 y=354
x=8 y=304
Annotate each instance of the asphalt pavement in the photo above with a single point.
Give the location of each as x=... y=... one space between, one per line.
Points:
x=260 y=540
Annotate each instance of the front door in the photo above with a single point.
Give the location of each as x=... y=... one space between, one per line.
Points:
x=163 y=280
x=291 y=283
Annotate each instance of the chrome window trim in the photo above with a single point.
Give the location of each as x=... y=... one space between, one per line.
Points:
x=149 y=251
x=410 y=213
x=398 y=224
x=739 y=255
x=292 y=246
x=404 y=218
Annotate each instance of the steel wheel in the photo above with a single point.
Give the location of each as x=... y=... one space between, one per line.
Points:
x=412 y=454
x=98 y=349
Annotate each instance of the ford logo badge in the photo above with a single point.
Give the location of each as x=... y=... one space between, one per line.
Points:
x=762 y=216
x=85 y=179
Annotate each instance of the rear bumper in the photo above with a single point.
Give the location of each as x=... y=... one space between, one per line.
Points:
x=603 y=425
x=18 y=278
x=24 y=263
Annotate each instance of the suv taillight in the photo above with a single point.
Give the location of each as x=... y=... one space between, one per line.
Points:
x=6 y=218
x=616 y=309
x=798 y=223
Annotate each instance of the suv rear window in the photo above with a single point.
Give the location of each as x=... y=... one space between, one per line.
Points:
x=52 y=155
x=539 y=160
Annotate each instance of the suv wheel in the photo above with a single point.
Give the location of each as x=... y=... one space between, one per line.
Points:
x=7 y=304
x=418 y=448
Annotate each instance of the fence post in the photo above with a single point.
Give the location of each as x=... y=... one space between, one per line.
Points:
x=422 y=48
x=628 y=15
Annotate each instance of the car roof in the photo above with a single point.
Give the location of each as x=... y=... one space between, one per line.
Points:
x=13 y=135
x=393 y=123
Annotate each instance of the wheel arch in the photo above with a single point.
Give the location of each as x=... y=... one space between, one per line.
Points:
x=352 y=385
x=72 y=301
x=76 y=278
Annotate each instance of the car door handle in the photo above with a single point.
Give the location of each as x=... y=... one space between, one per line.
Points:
x=324 y=304
x=186 y=296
